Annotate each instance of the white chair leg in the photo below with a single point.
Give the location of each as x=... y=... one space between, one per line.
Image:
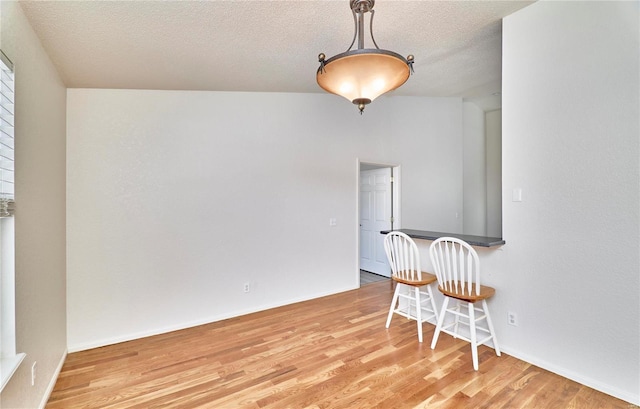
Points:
x=393 y=304
x=418 y=313
x=474 y=342
x=457 y=318
x=410 y=300
x=433 y=303
x=490 y=325
x=443 y=312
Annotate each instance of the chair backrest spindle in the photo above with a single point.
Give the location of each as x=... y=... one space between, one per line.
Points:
x=456 y=265
x=404 y=258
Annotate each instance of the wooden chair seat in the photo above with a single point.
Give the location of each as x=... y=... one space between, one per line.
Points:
x=426 y=278
x=485 y=292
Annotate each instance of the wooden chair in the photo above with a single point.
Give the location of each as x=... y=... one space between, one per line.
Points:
x=403 y=256
x=458 y=270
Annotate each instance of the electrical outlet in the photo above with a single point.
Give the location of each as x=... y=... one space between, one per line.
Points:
x=247 y=287
x=34 y=367
x=512 y=318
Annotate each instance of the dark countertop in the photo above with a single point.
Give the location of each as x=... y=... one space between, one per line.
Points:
x=481 y=241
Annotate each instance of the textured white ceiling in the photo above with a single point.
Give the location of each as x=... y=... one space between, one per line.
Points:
x=269 y=46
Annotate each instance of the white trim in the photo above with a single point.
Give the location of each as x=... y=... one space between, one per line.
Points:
x=599 y=386
x=8 y=367
x=190 y=324
x=397 y=197
x=52 y=382
x=357 y=224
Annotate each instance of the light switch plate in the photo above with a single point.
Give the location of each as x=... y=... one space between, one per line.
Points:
x=517 y=195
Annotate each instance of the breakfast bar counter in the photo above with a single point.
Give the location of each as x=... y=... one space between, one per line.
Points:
x=481 y=241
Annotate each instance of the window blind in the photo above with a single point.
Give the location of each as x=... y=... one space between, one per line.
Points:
x=6 y=137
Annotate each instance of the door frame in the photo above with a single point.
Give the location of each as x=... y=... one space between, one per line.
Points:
x=395 y=200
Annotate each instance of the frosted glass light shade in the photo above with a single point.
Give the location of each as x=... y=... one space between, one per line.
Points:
x=363 y=74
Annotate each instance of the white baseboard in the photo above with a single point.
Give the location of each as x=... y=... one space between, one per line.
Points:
x=591 y=383
x=207 y=320
x=52 y=382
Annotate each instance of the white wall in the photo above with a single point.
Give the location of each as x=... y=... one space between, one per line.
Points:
x=493 y=135
x=482 y=171
x=569 y=270
x=424 y=135
x=176 y=199
x=40 y=211
x=570 y=141
x=474 y=171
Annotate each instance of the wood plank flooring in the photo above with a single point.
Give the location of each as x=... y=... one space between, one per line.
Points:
x=333 y=352
x=368 y=278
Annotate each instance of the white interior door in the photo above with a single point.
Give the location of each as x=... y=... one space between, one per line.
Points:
x=375 y=215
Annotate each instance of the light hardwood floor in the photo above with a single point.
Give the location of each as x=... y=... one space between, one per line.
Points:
x=368 y=278
x=333 y=352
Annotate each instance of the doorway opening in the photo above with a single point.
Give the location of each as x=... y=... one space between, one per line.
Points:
x=378 y=210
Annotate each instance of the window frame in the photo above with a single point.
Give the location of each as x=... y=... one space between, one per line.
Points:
x=9 y=359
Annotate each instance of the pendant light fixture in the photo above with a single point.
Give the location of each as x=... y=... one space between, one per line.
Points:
x=363 y=74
